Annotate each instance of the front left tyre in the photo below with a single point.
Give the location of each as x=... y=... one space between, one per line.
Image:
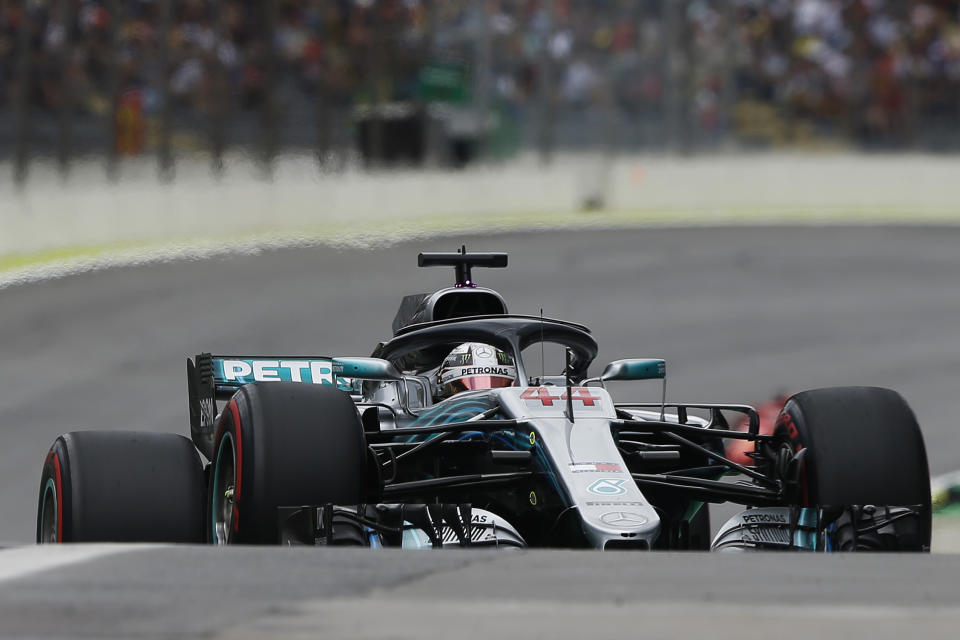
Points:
x=121 y=486
x=865 y=467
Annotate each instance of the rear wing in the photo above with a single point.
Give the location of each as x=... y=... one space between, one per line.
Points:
x=214 y=377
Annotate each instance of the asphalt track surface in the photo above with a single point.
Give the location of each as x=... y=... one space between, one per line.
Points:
x=739 y=314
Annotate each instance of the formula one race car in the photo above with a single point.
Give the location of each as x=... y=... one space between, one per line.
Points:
x=447 y=437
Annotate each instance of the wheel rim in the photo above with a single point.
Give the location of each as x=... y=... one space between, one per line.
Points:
x=224 y=483
x=48 y=514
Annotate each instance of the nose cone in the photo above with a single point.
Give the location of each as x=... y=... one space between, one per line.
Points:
x=621 y=523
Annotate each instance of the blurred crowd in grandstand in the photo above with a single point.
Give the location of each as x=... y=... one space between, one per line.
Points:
x=870 y=71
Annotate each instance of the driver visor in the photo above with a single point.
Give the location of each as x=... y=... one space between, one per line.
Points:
x=474 y=383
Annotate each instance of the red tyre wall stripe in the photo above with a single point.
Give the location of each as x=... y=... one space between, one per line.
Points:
x=238 y=443
x=785 y=422
x=59 y=482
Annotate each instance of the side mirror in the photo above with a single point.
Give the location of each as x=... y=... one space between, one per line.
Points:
x=365 y=369
x=377 y=369
x=635 y=369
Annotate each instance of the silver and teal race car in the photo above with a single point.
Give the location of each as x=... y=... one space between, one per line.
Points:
x=365 y=451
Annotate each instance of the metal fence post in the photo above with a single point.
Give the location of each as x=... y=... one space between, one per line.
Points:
x=322 y=115
x=21 y=150
x=164 y=154
x=482 y=79
x=375 y=86
x=268 y=110
x=433 y=143
x=68 y=11
x=728 y=98
x=218 y=72
x=545 y=90
x=113 y=88
x=672 y=94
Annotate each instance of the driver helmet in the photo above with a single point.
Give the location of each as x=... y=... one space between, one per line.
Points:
x=475 y=365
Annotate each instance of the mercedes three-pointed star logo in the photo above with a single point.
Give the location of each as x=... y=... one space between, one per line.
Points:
x=623 y=519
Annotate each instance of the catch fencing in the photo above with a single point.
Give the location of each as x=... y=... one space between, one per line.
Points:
x=434 y=84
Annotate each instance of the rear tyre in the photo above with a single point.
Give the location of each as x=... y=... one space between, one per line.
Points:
x=282 y=444
x=864 y=449
x=121 y=486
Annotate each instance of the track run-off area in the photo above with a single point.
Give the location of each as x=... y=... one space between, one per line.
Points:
x=740 y=314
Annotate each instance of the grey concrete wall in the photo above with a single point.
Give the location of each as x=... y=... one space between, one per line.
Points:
x=86 y=211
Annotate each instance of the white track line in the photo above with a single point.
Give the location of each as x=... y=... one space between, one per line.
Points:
x=366 y=240
x=25 y=561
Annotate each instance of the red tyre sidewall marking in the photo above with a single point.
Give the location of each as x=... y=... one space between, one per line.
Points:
x=59 y=484
x=238 y=445
x=786 y=422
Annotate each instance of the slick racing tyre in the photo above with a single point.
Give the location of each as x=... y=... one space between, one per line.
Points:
x=282 y=444
x=865 y=466
x=121 y=486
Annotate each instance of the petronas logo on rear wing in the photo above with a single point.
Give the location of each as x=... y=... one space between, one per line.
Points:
x=210 y=376
x=236 y=371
